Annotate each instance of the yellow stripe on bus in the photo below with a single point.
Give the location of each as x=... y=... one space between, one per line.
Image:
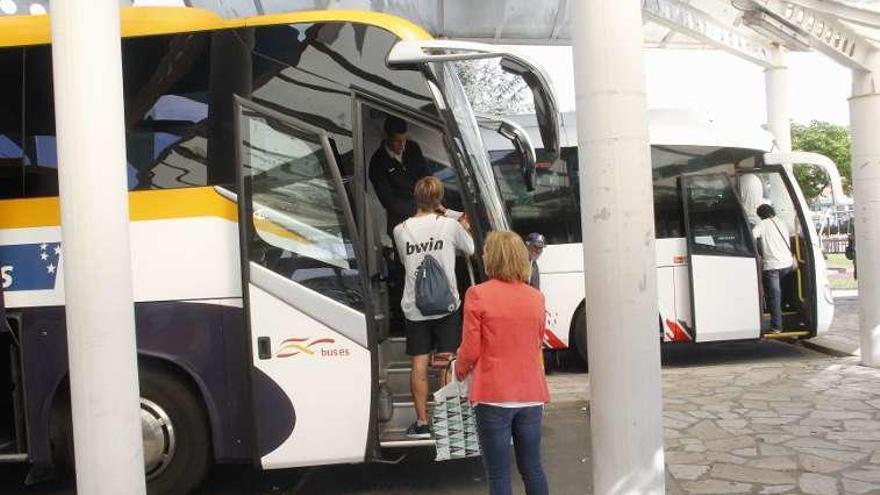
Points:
x=401 y=28
x=143 y=205
x=25 y=30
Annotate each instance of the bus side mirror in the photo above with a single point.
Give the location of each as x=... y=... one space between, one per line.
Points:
x=546 y=107
x=519 y=139
x=526 y=152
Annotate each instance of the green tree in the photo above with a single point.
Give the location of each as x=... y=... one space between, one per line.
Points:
x=828 y=139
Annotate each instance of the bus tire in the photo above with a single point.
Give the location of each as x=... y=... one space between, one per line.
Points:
x=578 y=337
x=185 y=440
x=177 y=454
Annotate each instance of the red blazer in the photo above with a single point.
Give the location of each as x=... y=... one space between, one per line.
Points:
x=501 y=343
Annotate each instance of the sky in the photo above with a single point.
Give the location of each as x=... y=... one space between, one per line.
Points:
x=721 y=84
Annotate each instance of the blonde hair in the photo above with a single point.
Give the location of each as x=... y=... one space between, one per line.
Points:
x=428 y=193
x=506 y=257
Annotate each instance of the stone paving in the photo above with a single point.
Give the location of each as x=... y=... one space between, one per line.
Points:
x=807 y=427
x=843 y=336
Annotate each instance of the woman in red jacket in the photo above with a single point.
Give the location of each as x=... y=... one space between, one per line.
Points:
x=501 y=344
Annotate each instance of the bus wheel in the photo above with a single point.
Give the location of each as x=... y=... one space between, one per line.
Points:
x=579 y=337
x=176 y=435
x=177 y=439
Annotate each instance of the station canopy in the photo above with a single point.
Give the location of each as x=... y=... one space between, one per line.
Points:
x=846 y=30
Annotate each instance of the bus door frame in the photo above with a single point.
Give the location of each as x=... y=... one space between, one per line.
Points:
x=747 y=333
x=470 y=196
x=371 y=447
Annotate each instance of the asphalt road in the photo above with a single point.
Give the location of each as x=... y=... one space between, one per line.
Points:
x=565 y=431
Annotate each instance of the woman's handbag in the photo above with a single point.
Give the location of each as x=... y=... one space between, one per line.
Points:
x=453 y=421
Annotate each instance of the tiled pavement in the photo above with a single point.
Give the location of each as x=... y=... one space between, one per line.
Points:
x=843 y=336
x=791 y=424
x=809 y=427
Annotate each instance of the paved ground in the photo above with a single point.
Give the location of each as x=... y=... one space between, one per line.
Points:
x=753 y=417
x=843 y=336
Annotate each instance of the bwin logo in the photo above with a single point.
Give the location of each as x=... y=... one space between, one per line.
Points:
x=424 y=247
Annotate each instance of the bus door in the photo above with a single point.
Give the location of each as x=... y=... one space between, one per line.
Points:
x=304 y=295
x=724 y=272
x=808 y=304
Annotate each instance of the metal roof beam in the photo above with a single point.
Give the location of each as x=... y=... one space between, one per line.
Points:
x=701 y=26
x=824 y=32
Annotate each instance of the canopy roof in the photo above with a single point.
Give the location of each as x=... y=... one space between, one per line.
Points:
x=846 y=30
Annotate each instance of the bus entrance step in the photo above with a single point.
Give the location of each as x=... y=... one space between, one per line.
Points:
x=787 y=335
x=398 y=438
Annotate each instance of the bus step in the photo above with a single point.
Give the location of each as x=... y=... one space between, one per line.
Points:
x=11 y=458
x=398 y=379
x=787 y=335
x=398 y=439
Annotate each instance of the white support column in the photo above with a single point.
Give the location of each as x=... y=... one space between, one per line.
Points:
x=864 y=111
x=778 y=100
x=86 y=56
x=619 y=259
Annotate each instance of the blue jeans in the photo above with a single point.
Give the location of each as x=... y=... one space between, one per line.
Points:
x=496 y=426
x=773 y=292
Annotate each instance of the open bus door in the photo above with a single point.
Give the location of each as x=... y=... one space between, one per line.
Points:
x=809 y=294
x=304 y=295
x=723 y=264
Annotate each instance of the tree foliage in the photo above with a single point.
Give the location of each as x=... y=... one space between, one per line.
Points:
x=493 y=91
x=830 y=140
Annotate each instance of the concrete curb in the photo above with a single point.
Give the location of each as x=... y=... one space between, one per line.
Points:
x=826 y=349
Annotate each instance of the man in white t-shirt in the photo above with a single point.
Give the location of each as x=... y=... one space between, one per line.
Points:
x=773 y=236
x=432 y=230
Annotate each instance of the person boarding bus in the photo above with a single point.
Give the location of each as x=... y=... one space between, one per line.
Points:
x=429 y=234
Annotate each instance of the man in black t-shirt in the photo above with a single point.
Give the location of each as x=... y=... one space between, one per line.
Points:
x=394 y=170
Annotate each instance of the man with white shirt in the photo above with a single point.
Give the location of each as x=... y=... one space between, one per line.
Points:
x=773 y=237
x=440 y=233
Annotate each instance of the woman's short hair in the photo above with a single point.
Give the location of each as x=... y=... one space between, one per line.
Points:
x=506 y=257
x=766 y=211
x=428 y=193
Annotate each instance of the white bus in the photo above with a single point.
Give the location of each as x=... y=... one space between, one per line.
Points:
x=259 y=280
x=708 y=180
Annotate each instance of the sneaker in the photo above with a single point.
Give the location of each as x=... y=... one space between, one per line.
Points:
x=416 y=430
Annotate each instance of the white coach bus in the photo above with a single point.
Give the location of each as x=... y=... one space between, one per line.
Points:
x=708 y=180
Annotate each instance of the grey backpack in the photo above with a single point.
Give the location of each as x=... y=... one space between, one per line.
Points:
x=432 y=292
x=433 y=295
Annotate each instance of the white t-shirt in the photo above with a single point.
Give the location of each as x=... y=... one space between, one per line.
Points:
x=774 y=243
x=438 y=236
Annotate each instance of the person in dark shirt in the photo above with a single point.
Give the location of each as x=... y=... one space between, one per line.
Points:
x=394 y=170
x=535 y=243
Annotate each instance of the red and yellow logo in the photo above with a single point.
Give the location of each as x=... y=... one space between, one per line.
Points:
x=322 y=347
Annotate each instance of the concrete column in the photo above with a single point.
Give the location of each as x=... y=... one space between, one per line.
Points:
x=87 y=71
x=864 y=115
x=778 y=100
x=619 y=258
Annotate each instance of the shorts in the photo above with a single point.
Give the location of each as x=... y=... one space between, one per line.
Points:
x=441 y=335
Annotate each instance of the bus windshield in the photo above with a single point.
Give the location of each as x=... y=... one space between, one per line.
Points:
x=471 y=142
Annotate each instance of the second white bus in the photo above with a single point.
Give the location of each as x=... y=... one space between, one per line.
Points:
x=708 y=180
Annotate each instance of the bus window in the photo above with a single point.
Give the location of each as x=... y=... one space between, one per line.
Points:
x=668 y=214
x=715 y=218
x=11 y=153
x=167 y=95
x=299 y=218
x=552 y=208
